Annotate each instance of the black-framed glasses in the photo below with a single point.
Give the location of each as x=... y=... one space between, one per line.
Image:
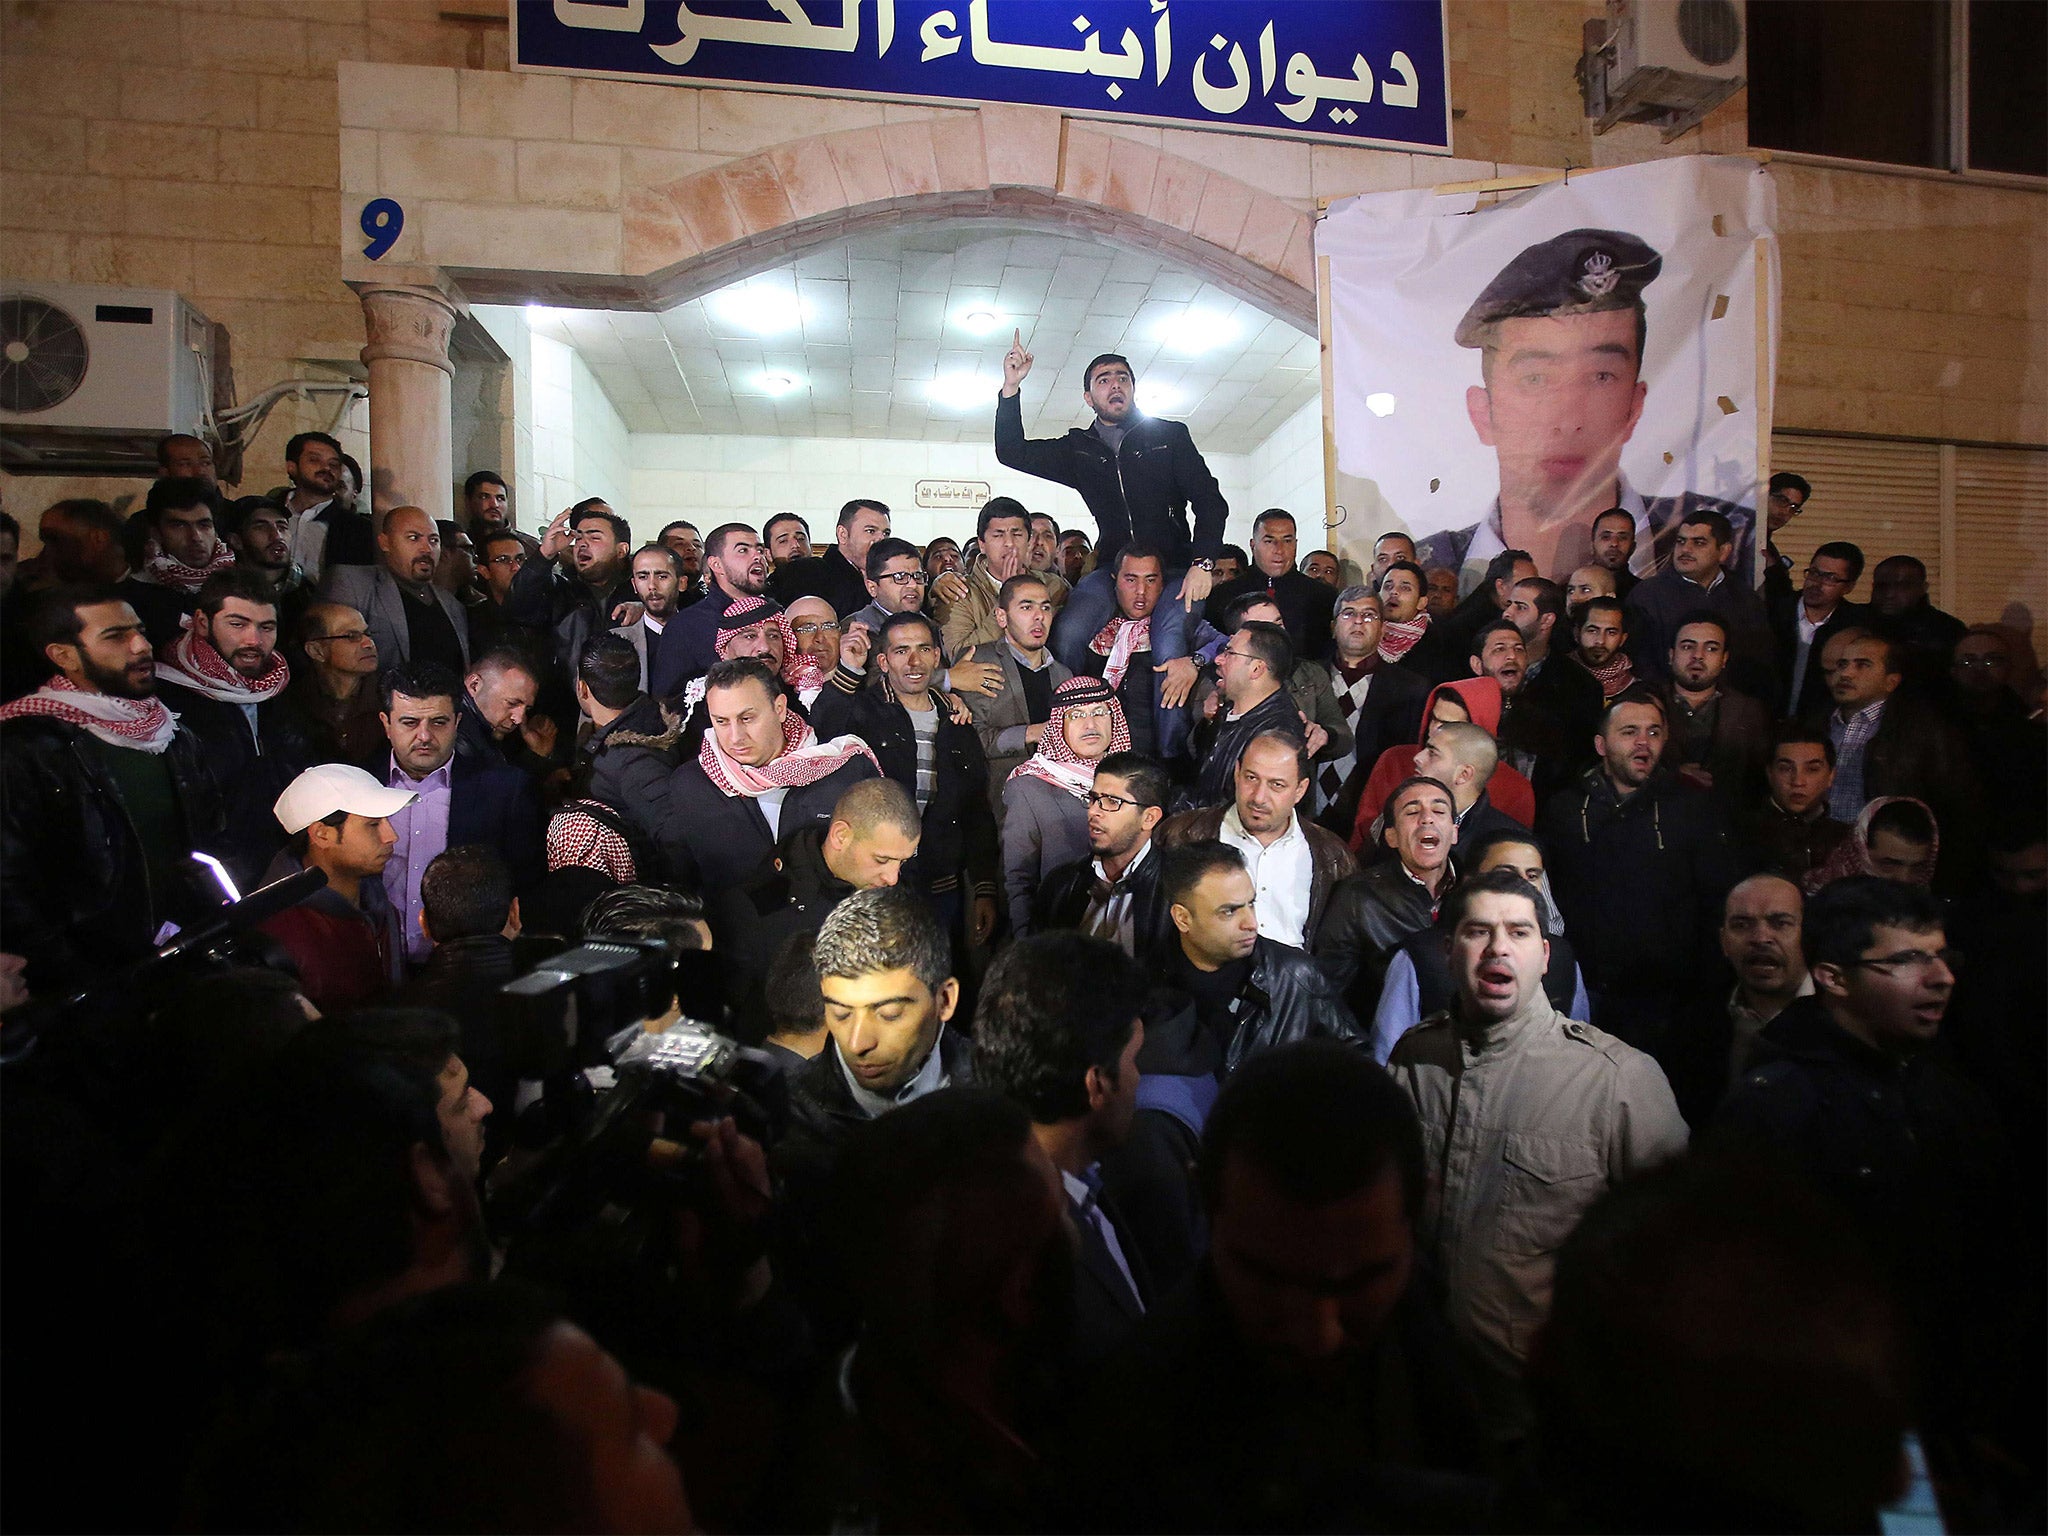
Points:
x=1909 y=960
x=1813 y=573
x=1111 y=803
x=904 y=578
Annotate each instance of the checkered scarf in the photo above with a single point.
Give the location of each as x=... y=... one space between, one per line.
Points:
x=143 y=724
x=804 y=760
x=579 y=837
x=169 y=571
x=194 y=663
x=1398 y=636
x=1055 y=761
x=1120 y=639
x=1618 y=674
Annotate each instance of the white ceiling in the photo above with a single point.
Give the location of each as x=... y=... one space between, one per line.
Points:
x=873 y=338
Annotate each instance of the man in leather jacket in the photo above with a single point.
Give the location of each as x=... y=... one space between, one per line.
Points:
x=1250 y=993
x=1370 y=914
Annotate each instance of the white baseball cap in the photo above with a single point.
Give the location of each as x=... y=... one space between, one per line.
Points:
x=320 y=792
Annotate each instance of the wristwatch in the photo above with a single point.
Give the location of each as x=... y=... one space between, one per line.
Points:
x=1203 y=565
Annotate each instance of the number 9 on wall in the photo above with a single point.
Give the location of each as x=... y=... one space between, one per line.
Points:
x=383 y=222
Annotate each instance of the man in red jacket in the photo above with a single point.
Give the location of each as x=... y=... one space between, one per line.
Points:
x=343 y=937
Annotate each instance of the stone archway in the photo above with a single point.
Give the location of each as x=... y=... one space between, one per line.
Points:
x=716 y=226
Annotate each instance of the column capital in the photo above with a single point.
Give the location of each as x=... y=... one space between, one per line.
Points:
x=407 y=324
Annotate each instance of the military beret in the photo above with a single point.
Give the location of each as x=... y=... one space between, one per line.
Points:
x=1577 y=272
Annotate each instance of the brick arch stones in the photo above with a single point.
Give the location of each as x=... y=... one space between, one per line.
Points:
x=1024 y=164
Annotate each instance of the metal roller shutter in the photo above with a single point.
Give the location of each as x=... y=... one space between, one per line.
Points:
x=2001 y=536
x=1883 y=497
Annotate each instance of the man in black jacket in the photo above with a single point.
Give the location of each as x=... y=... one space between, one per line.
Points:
x=735 y=566
x=103 y=797
x=575 y=603
x=1251 y=685
x=1305 y=603
x=1250 y=993
x=1373 y=911
x=631 y=752
x=1139 y=478
x=468 y=908
x=1803 y=622
x=1641 y=864
x=224 y=679
x=759 y=775
x=872 y=837
x=840 y=574
x=919 y=745
x=1114 y=893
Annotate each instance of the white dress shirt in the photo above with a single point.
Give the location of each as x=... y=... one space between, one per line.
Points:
x=1281 y=875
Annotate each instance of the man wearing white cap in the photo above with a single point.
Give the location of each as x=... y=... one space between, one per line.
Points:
x=343 y=937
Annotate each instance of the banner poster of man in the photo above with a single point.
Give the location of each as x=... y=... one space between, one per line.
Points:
x=1501 y=376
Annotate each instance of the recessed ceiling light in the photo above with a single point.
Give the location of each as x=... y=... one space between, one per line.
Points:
x=779 y=384
x=1195 y=331
x=1155 y=398
x=761 y=310
x=1381 y=404
x=962 y=392
x=981 y=322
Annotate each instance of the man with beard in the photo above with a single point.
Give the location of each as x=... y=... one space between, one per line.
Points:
x=1614 y=547
x=736 y=564
x=257 y=531
x=1251 y=675
x=1600 y=638
x=1698 y=580
x=657 y=577
x=1718 y=736
x=1560 y=333
x=688 y=544
x=838 y=575
x=325 y=531
x=1760 y=941
x=1902 y=612
x=1527 y=1118
x=1045 y=545
x=1382 y=704
x=1113 y=892
x=1153 y=694
x=410 y=618
x=788 y=538
x=486 y=505
x=1587 y=583
x=1075 y=548
x=105 y=797
x=1304 y=1380
x=185 y=515
x=1564 y=695
x=1641 y=863
x=582 y=600
x=223 y=679
x=182 y=454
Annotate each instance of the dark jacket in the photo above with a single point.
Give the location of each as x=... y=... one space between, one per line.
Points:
x=1142 y=491
x=1640 y=881
x=1370 y=914
x=75 y=897
x=463 y=977
x=628 y=763
x=712 y=841
x=1736 y=750
x=1062 y=899
x=1782 y=605
x=1916 y=751
x=831 y=576
x=475 y=739
x=496 y=805
x=1772 y=841
x=1555 y=716
x=1330 y=861
x=1391 y=716
x=251 y=770
x=793 y=891
x=1287 y=998
x=1926 y=638
x=546 y=598
x=688 y=644
x=959 y=842
x=1223 y=741
x=1305 y=606
x=1659 y=604
x=162 y=609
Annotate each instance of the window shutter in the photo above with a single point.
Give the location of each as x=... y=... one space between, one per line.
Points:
x=1883 y=497
x=2001 y=543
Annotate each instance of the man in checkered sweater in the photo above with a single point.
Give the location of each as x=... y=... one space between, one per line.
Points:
x=1382 y=704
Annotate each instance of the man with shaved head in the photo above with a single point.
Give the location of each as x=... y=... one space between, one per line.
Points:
x=410 y=618
x=1462 y=756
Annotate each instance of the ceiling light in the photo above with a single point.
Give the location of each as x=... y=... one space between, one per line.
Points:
x=981 y=322
x=961 y=391
x=1154 y=398
x=776 y=385
x=762 y=310
x=1381 y=404
x=1193 y=332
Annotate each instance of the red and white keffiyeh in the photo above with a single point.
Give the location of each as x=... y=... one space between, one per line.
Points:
x=1055 y=761
x=804 y=760
x=143 y=724
x=195 y=664
x=1121 y=639
x=169 y=571
x=578 y=837
x=1618 y=675
x=1398 y=637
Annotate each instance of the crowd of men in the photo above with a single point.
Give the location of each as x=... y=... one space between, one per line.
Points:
x=1269 y=1045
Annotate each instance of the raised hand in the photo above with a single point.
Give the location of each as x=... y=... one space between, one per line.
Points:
x=1016 y=363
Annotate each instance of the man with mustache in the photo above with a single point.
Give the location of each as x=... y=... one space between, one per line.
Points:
x=736 y=567
x=1560 y=335
x=1528 y=1117
x=410 y=618
x=325 y=530
x=1641 y=862
x=1371 y=913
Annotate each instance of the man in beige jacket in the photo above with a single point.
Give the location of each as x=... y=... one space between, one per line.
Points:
x=965 y=602
x=1528 y=1117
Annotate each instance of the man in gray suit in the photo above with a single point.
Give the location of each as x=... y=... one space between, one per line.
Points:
x=412 y=621
x=1010 y=722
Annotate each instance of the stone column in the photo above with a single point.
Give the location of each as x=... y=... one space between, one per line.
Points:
x=412 y=453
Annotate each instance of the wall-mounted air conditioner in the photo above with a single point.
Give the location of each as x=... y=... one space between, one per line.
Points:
x=92 y=360
x=1667 y=62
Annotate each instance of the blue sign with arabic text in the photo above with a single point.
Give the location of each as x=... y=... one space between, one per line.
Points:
x=1366 y=72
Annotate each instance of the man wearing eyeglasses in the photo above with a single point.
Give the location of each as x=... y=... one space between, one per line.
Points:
x=1846 y=1085
x=1113 y=893
x=1803 y=622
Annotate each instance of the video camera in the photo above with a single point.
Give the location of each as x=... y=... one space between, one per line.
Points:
x=611 y=1129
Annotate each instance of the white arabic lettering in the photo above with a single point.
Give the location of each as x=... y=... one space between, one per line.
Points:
x=1090 y=60
x=1407 y=91
x=1162 y=43
x=593 y=17
x=1223 y=100
x=795 y=30
x=939 y=41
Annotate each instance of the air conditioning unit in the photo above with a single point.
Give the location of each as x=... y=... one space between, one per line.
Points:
x=1667 y=62
x=113 y=360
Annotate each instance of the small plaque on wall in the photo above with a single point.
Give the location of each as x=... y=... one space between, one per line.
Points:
x=953 y=495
